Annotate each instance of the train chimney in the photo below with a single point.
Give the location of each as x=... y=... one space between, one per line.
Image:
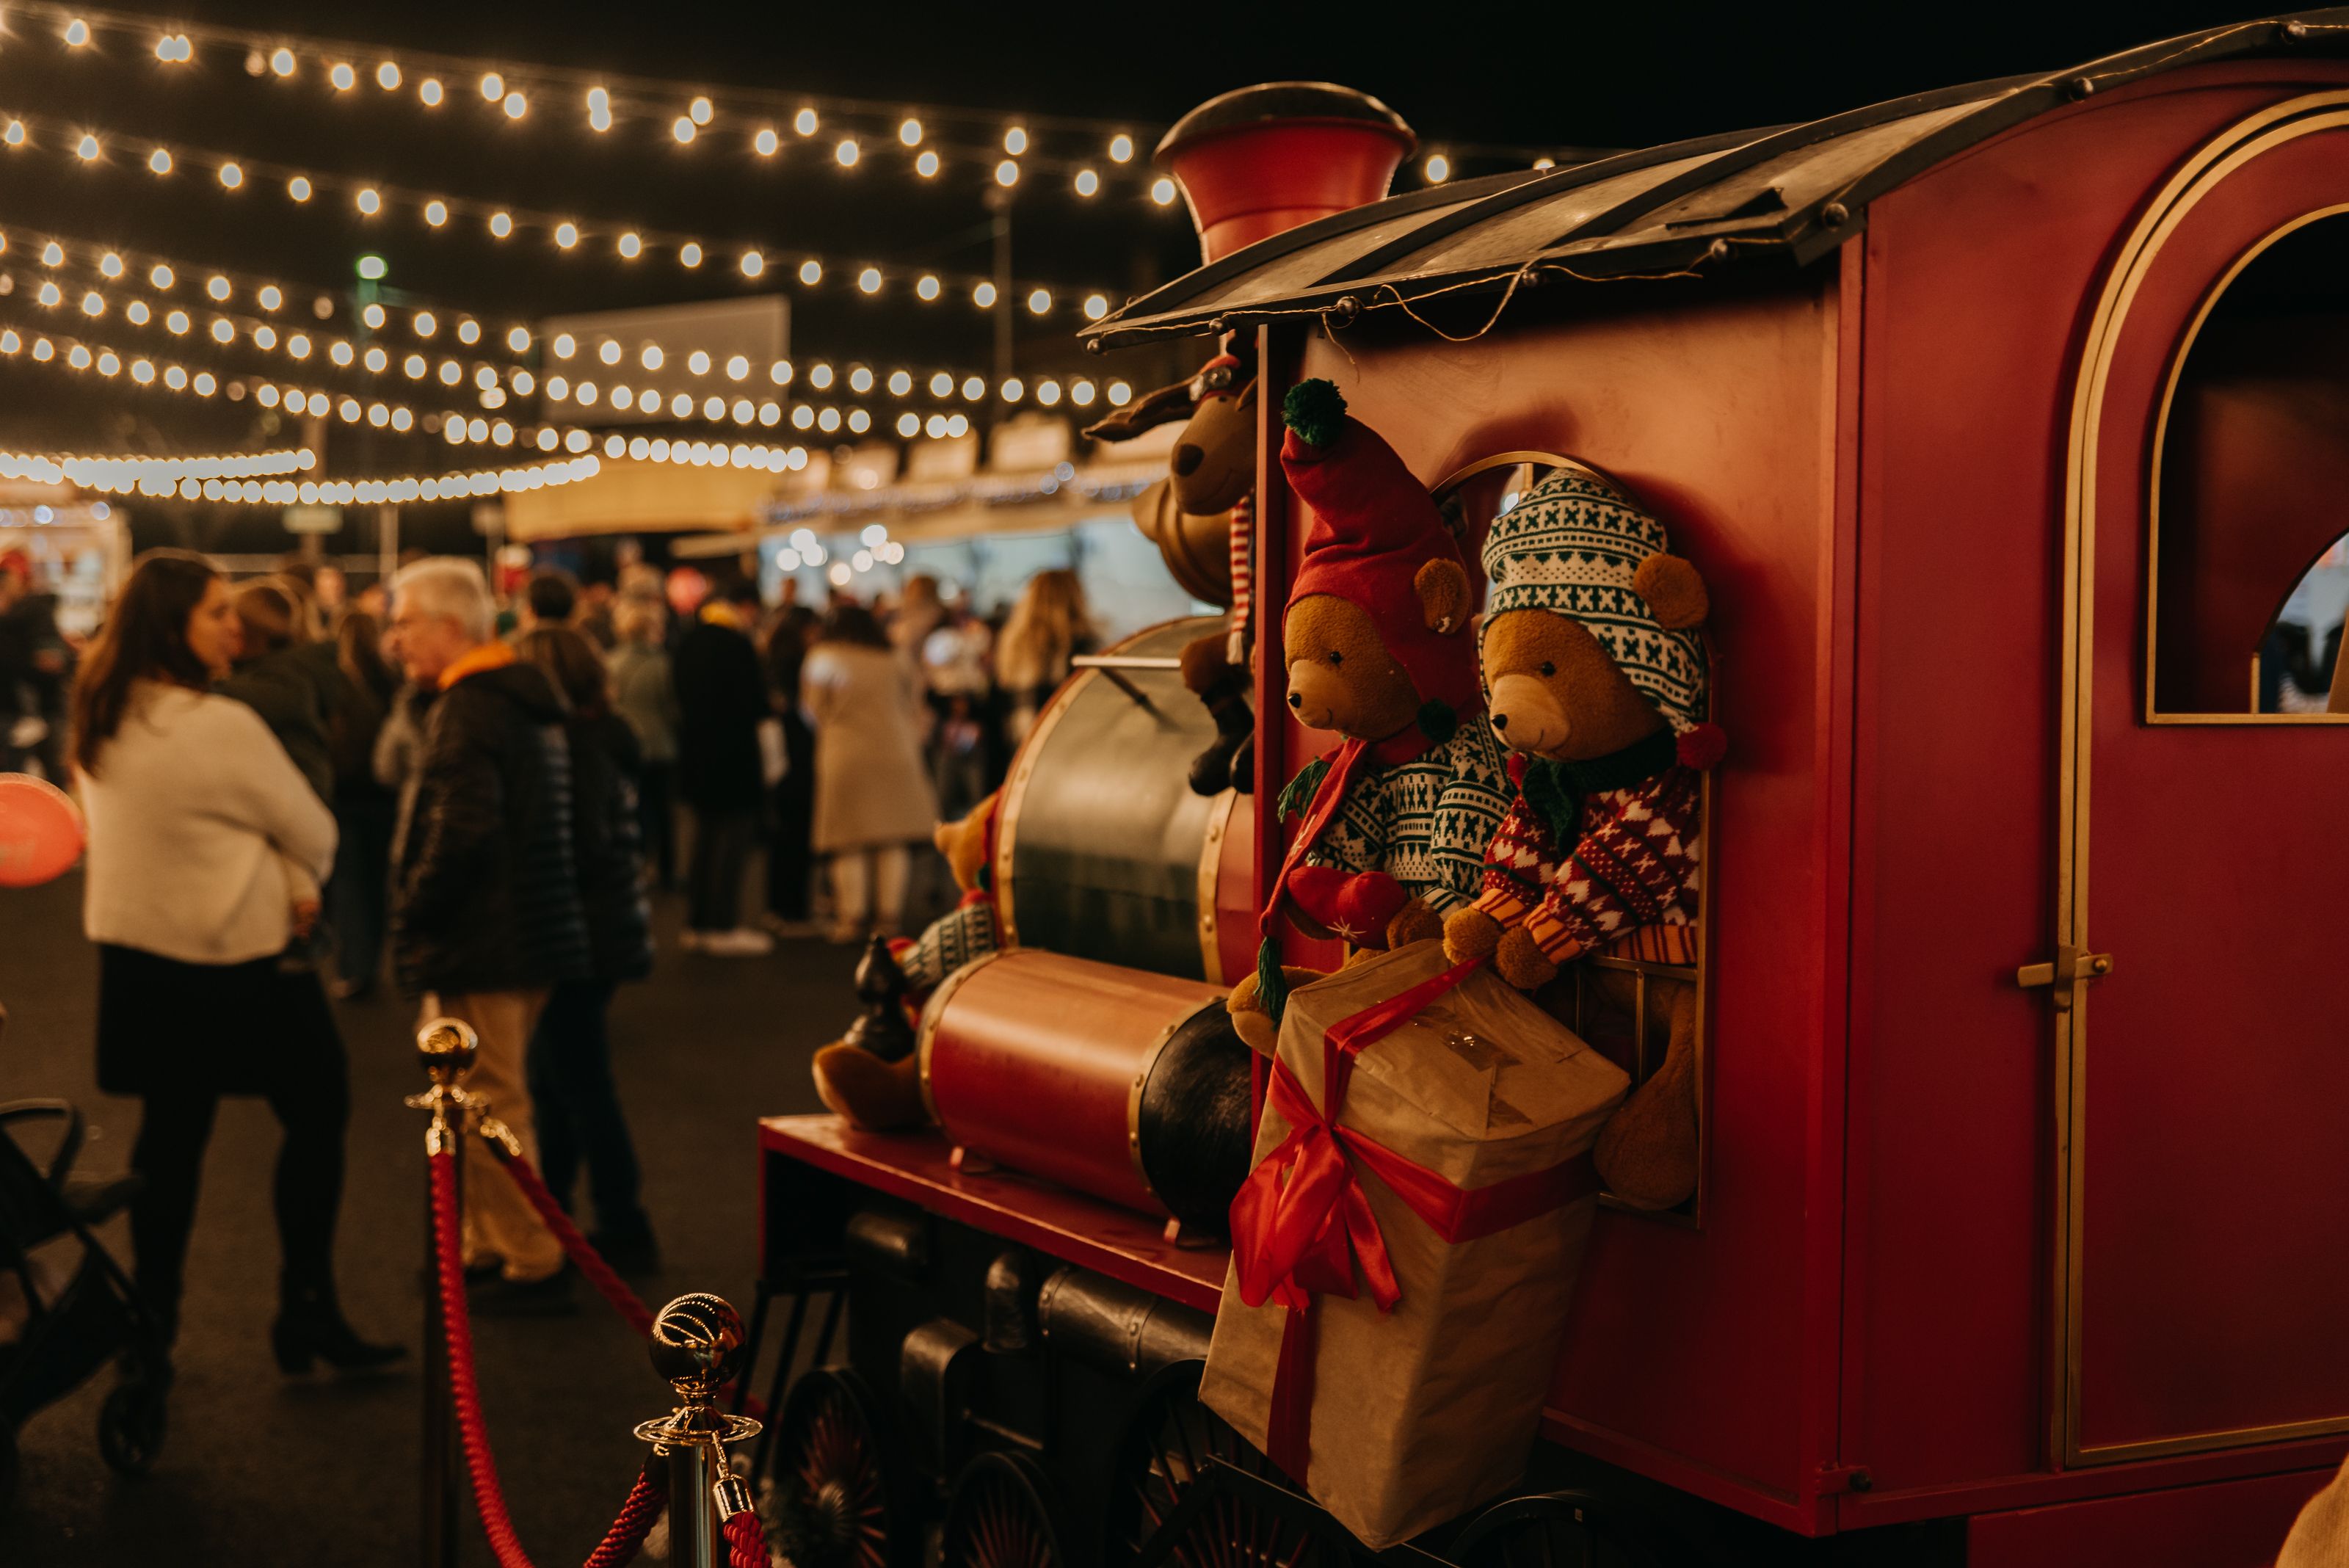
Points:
x=1259 y=160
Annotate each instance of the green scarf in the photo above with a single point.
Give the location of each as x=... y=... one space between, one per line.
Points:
x=1556 y=790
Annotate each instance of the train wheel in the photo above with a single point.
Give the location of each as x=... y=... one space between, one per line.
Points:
x=997 y=1517
x=1556 y=1530
x=1166 y=1446
x=833 y=1499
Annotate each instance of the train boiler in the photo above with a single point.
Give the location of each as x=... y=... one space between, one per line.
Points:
x=2008 y=424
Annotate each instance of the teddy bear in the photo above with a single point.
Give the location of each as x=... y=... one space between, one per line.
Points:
x=1206 y=506
x=1595 y=676
x=872 y=1077
x=1396 y=819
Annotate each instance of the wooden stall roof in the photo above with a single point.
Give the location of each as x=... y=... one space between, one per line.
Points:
x=1784 y=196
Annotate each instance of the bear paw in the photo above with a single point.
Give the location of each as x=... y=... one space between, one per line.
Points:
x=870 y=1094
x=1414 y=922
x=1250 y=1021
x=1471 y=934
x=1521 y=961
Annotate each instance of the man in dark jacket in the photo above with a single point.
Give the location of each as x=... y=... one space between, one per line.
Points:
x=486 y=907
x=721 y=698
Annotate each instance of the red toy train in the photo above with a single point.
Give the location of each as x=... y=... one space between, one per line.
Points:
x=2005 y=421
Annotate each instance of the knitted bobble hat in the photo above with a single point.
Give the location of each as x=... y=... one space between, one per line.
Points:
x=1374 y=526
x=1570 y=547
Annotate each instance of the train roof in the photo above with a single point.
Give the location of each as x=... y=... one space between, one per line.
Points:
x=1788 y=195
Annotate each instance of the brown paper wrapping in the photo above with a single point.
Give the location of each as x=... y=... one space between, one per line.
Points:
x=1421 y=1413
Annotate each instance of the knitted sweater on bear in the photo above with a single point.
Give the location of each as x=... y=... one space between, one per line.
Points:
x=1630 y=866
x=1426 y=821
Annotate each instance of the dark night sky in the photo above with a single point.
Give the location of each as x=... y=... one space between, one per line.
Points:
x=1625 y=74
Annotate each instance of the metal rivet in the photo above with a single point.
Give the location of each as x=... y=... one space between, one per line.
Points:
x=1093 y=345
x=2079 y=86
x=2294 y=30
x=1835 y=214
x=1218 y=325
x=1716 y=250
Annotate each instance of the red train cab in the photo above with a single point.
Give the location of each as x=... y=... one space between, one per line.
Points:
x=2008 y=424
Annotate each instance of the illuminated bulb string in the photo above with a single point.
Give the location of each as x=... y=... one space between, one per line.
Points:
x=123 y=475
x=452 y=486
x=372 y=199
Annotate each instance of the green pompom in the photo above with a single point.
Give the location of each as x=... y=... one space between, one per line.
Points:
x=1316 y=411
x=1437 y=721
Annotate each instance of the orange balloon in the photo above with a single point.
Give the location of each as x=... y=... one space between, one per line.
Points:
x=41 y=831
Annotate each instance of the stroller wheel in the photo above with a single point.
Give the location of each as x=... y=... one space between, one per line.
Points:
x=130 y=1427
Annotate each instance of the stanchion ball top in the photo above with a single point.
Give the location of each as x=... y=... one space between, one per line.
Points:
x=447 y=1047
x=697 y=1344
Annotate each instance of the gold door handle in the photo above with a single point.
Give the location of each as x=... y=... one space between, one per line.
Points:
x=2071 y=969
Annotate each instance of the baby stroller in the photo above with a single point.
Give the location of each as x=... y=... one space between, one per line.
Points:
x=66 y=1307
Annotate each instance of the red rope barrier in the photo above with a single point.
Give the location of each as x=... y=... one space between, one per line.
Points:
x=583 y=1256
x=645 y=1500
x=746 y=1544
x=465 y=1392
x=582 y=1251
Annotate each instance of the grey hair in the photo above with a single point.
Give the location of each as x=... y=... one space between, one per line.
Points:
x=449 y=586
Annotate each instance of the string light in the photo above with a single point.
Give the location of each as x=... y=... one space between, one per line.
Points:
x=1162 y=191
x=766 y=142
x=846 y=153
x=123 y=475
x=1120 y=149
x=1439 y=168
x=375 y=200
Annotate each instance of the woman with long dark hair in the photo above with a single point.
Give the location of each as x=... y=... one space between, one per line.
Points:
x=200 y=831
x=569 y=1065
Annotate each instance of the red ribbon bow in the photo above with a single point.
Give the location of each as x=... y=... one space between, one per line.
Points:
x=1302 y=1225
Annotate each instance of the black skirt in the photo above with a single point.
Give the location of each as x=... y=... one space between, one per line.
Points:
x=167 y=1026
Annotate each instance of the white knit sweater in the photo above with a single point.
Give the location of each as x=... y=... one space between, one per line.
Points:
x=192 y=808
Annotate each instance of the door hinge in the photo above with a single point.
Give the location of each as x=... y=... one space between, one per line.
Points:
x=1835 y=1478
x=2071 y=969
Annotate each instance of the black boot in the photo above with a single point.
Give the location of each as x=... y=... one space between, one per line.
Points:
x=310 y=1328
x=1226 y=700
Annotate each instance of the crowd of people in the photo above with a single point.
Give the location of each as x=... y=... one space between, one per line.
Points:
x=291 y=790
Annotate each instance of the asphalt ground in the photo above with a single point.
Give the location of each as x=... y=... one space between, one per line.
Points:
x=258 y=1468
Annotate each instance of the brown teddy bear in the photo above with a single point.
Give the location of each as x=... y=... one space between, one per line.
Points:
x=1202 y=518
x=1376 y=634
x=878 y=1092
x=1596 y=679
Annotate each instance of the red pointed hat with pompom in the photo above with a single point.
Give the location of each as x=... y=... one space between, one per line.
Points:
x=1374 y=526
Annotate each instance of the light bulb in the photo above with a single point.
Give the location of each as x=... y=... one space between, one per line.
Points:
x=450 y=372
x=340 y=352
x=811 y=272
x=700 y=111
x=217 y=286
x=688 y=254
x=500 y=224
x=567 y=234
x=50 y=294
x=177 y=323
x=415 y=366
x=1048 y=393
x=424 y=323
x=765 y=143
x=752 y=263
x=159 y=161
x=1082 y=394
x=869 y=280
x=223 y=330
x=14 y=135
x=681 y=129
x=860 y=379
x=974 y=388
x=1006 y=173
x=282 y=62
x=1121 y=147
x=94 y=303
x=780 y=372
x=298 y=188
x=698 y=362
x=910 y=132
x=941 y=384
x=269 y=297
x=110 y=265
x=804 y=122
x=515 y=106
x=608 y=352
x=1088 y=183
x=435 y=211
x=1096 y=307
x=1013 y=389
x=652 y=357
x=369 y=202
x=138 y=312
x=77 y=33
x=298 y=345
x=518 y=339
x=1439 y=168
x=820 y=376
x=909 y=424
x=231 y=176
x=494 y=86
x=927 y=164
x=846 y=153
x=85 y=148
x=1162 y=191
x=983 y=296
x=1039 y=301
x=468 y=331
x=738 y=369
x=429 y=91
x=387 y=75
x=343 y=78
x=630 y=246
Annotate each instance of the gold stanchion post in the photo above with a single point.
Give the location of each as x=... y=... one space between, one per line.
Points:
x=698 y=1344
x=446 y=1048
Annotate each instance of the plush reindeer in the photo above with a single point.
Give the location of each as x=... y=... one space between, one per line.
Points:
x=1202 y=518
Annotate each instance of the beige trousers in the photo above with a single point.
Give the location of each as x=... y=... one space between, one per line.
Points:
x=499 y=1221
